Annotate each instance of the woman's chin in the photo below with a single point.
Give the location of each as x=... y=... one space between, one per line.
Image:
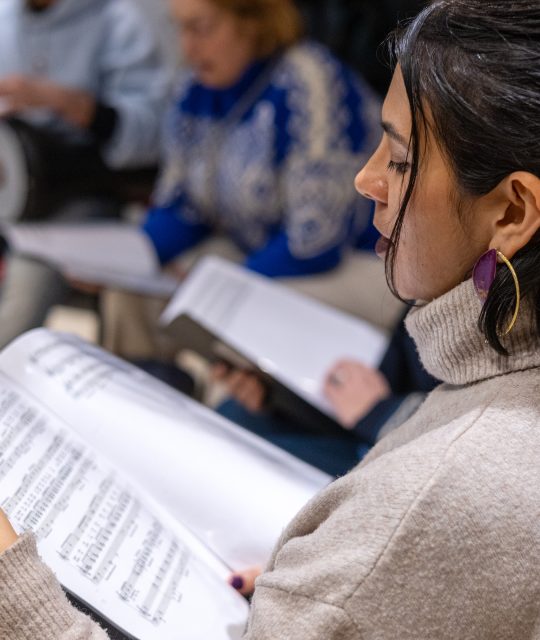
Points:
x=408 y=291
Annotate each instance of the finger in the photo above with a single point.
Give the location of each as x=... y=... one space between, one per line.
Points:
x=235 y=382
x=335 y=367
x=248 y=393
x=332 y=394
x=9 y=107
x=338 y=377
x=255 y=402
x=251 y=389
x=244 y=581
x=256 y=393
x=342 y=363
x=359 y=368
x=259 y=399
x=6 y=108
x=219 y=370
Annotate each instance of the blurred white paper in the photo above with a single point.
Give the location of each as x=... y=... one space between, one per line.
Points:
x=293 y=338
x=108 y=254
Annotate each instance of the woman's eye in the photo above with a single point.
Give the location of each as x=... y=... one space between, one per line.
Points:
x=399 y=167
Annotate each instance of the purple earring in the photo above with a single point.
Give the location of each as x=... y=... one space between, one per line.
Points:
x=484 y=273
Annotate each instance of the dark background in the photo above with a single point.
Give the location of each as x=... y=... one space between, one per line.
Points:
x=354 y=29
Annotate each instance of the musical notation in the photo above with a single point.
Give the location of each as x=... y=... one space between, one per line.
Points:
x=79 y=372
x=173 y=587
x=58 y=486
x=73 y=469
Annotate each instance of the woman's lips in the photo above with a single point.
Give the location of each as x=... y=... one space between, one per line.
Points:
x=382 y=246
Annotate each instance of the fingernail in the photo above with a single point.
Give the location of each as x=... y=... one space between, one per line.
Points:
x=237 y=582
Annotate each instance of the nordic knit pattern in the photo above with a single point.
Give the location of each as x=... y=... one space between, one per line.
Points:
x=269 y=162
x=435 y=536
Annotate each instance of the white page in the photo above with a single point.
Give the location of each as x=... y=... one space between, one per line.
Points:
x=235 y=491
x=99 y=539
x=292 y=337
x=109 y=254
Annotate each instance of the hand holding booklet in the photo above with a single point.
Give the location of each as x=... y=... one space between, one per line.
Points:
x=225 y=311
x=142 y=500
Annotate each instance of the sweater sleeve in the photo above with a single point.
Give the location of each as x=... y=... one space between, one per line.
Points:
x=171 y=232
x=275 y=260
x=32 y=604
x=313 y=620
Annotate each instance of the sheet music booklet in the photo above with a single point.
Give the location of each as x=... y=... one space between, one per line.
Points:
x=225 y=312
x=142 y=500
x=110 y=254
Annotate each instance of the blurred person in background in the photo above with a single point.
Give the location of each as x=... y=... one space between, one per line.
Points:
x=435 y=534
x=263 y=140
x=87 y=72
x=367 y=403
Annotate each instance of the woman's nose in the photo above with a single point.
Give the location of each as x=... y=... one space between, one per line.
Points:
x=371 y=181
x=371 y=185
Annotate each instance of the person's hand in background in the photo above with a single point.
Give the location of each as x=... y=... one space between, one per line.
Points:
x=244 y=386
x=353 y=390
x=19 y=93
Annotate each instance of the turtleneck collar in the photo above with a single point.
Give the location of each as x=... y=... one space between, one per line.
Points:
x=452 y=348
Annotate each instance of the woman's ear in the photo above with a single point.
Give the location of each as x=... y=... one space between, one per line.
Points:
x=520 y=217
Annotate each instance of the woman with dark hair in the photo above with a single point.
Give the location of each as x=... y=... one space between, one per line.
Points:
x=435 y=534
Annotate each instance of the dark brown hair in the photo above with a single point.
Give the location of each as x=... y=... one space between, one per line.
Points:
x=475 y=65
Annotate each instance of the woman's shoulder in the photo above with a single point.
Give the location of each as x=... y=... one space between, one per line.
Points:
x=309 y=61
x=454 y=413
x=458 y=483
x=468 y=451
x=313 y=77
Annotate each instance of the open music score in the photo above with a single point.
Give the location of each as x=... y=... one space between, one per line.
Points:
x=107 y=467
x=56 y=482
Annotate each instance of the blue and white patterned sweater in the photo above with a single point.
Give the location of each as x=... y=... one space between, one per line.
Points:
x=277 y=176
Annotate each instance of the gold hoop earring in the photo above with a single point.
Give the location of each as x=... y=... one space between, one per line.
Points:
x=484 y=273
x=507 y=262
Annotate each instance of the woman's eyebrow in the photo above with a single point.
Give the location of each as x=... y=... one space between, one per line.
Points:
x=392 y=133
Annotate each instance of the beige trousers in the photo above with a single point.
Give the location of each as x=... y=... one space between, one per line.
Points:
x=358 y=286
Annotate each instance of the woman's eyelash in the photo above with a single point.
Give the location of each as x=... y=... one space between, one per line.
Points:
x=399 y=167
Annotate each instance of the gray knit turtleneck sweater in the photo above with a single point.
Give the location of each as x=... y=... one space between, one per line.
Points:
x=435 y=536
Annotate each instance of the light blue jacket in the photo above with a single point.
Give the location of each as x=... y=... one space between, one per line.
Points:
x=103 y=47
